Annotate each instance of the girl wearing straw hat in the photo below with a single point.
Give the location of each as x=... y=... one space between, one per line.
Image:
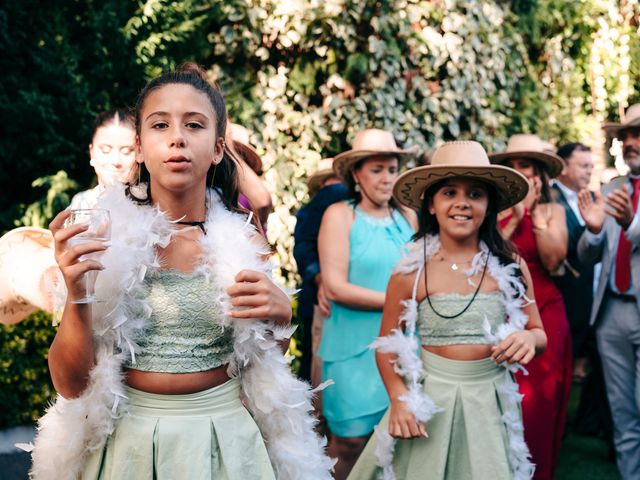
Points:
x=359 y=242
x=462 y=294
x=537 y=226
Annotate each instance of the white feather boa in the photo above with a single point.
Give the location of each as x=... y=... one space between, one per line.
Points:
x=279 y=402
x=407 y=364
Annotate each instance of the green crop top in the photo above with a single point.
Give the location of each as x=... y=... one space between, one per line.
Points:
x=467 y=329
x=183 y=333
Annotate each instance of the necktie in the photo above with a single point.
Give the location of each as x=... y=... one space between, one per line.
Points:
x=623 y=257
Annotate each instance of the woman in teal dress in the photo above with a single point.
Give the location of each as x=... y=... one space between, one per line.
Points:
x=360 y=241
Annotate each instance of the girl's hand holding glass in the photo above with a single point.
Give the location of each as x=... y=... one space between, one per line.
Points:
x=80 y=238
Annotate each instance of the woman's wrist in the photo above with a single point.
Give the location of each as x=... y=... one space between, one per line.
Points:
x=395 y=396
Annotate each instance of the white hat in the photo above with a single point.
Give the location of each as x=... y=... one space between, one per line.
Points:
x=370 y=143
x=26 y=259
x=631 y=119
x=532 y=147
x=317 y=178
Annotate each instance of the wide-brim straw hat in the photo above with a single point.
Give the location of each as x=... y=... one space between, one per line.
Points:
x=460 y=159
x=241 y=144
x=372 y=142
x=317 y=178
x=26 y=258
x=631 y=119
x=530 y=147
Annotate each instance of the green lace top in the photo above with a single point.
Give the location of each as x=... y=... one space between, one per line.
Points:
x=183 y=333
x=467 y=329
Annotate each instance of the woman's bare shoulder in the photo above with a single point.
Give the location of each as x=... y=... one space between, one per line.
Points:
x=339 y=211
x=402 y=284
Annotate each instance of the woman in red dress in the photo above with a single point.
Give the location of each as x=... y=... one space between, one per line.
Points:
x=538 y=228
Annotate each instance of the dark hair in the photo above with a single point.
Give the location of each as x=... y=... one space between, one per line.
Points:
x=224 y=176
x=112 y=117
x=540 y=170
x=354 y=196
x=505 y=250
x=566 y=150
x=545 y=189
x=248 y=155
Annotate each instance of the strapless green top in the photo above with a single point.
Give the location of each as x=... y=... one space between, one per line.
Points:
x=467 y=329
x=183 y=334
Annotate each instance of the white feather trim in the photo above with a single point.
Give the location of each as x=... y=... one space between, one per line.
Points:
x=280 y=403
x=384 y=453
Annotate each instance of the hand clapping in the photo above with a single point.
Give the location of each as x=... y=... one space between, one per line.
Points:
x=592 y=209
x=620 y=206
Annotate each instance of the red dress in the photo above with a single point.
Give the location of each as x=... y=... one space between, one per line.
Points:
x=546 y=388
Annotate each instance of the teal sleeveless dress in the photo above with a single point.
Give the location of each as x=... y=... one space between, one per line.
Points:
x=357 y=400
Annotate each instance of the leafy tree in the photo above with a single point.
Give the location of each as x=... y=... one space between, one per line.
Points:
x=62 y=62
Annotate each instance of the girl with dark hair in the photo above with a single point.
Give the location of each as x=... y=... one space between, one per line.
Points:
x=537 y=226
x=461 y=298
x=177 y=373
x=358 y=244
x=112 y=152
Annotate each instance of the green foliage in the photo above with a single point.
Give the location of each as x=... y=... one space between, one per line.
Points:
x=305 y=76
x=40 y=213
x=62 y=63
x=25 y=386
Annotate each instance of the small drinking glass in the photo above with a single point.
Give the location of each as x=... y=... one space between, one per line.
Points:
x=99 y=222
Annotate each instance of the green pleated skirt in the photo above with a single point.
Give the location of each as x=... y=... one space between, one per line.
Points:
x=468 y=439
x=205 y=435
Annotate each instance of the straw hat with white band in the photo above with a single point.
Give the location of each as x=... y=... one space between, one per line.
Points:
x=530 y=147
x=460 y=159
x=370 y=143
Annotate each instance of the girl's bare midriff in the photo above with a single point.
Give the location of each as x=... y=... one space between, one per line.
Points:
x=460 y=352
x=175 y=383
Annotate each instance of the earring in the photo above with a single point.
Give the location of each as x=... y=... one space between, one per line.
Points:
x=139 y=190
x=357 y=187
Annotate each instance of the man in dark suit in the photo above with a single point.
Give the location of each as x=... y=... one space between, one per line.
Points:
x=612 y=236
x=324 y=189
x=575 y=281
